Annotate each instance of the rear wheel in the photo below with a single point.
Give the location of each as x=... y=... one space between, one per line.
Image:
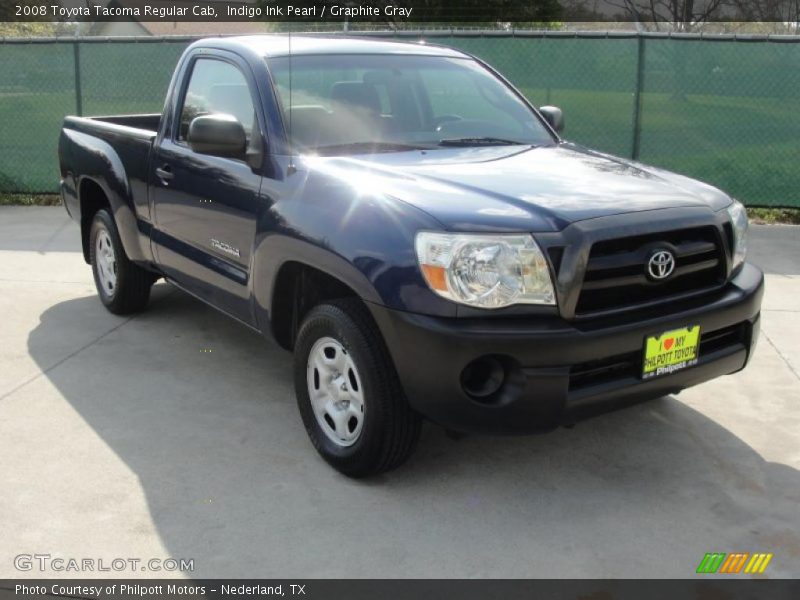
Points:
x=349 y=396
x=123 y=286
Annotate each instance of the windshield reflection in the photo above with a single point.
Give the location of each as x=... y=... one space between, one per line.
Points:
x=338 y=105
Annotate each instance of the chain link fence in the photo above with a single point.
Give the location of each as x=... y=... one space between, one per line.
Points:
x=723 y=109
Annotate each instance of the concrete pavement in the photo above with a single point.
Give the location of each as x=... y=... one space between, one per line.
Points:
x=175 y=434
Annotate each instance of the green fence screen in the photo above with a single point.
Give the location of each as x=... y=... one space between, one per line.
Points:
x=721 y=109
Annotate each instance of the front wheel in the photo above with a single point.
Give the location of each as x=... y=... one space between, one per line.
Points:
x=349 y=396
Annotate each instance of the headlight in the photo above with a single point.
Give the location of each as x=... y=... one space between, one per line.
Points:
x=488 y=271
x=738 y=216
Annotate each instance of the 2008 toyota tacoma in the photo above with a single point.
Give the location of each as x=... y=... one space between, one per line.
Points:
x=402 y=219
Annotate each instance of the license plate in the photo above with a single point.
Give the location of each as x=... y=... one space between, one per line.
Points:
x=671 y=351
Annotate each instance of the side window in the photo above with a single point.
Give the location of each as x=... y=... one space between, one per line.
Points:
x=216 y=86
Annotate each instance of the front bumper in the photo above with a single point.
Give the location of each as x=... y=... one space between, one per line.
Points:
x=557 y=371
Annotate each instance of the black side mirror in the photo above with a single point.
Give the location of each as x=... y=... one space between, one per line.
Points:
x=554 y=116
x=217 y=134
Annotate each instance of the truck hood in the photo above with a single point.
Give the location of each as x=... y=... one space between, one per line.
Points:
x=504 y=188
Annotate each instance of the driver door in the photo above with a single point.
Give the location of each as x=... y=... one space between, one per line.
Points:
x=206 y=207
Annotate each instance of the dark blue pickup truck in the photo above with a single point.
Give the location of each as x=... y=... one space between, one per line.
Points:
x=419 y=235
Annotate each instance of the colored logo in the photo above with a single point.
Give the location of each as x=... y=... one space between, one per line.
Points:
x=737 y=562
x=661 y=265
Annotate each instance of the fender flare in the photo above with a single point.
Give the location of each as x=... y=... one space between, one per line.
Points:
x=99 y=163
x=277 y=250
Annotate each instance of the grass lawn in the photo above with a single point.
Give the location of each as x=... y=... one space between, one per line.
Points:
x=771 y=216
x=29 y=144
x=745 y=145
x=29 y=199
x=37 y=90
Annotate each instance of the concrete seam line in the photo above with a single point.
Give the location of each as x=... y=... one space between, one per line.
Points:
x=67 y=357
x=71 y=354
x=3 y=280
x=785 y=360
x=48 y=241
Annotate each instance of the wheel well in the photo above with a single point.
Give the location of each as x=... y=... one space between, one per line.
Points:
x=298 y=289
x=92 y=198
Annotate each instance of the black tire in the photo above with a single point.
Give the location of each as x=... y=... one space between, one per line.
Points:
x=131 y=290
x=390 y=429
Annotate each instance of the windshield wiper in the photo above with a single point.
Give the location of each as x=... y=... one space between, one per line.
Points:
x=481 y=141
x=367 y=147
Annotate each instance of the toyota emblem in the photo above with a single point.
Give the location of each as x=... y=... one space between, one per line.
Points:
x=661 y=265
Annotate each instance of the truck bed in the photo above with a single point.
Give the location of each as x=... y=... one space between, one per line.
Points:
x=140 y=121
x=115 y=151
x=139 y=126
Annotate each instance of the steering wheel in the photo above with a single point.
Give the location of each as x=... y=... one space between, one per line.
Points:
x=441 y=120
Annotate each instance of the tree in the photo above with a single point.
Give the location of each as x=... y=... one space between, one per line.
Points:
x=672 y=15
x=40 y=27
x=682 y=16
x=786 y=12
x=27 y=29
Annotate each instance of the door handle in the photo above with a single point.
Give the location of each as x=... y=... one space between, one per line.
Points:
x=164 y=173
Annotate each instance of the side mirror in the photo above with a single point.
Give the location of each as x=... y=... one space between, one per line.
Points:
x=554 y=116
x=218 y=135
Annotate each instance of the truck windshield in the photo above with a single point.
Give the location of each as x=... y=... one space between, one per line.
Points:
x=337 y=104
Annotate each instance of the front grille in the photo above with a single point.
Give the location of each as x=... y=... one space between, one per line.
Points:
x=616 y=278
x=629 y=365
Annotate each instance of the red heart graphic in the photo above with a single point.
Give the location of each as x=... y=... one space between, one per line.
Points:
x=668 y=343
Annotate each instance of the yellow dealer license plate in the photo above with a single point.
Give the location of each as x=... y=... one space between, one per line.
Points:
x=671 y=351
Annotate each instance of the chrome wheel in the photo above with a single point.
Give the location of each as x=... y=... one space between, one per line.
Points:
x=105 y=262
x=334 y=388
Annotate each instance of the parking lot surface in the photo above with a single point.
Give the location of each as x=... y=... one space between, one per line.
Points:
x=175 y=434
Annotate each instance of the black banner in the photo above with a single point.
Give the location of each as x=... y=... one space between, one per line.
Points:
x=399 y=13
x=708 y=587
